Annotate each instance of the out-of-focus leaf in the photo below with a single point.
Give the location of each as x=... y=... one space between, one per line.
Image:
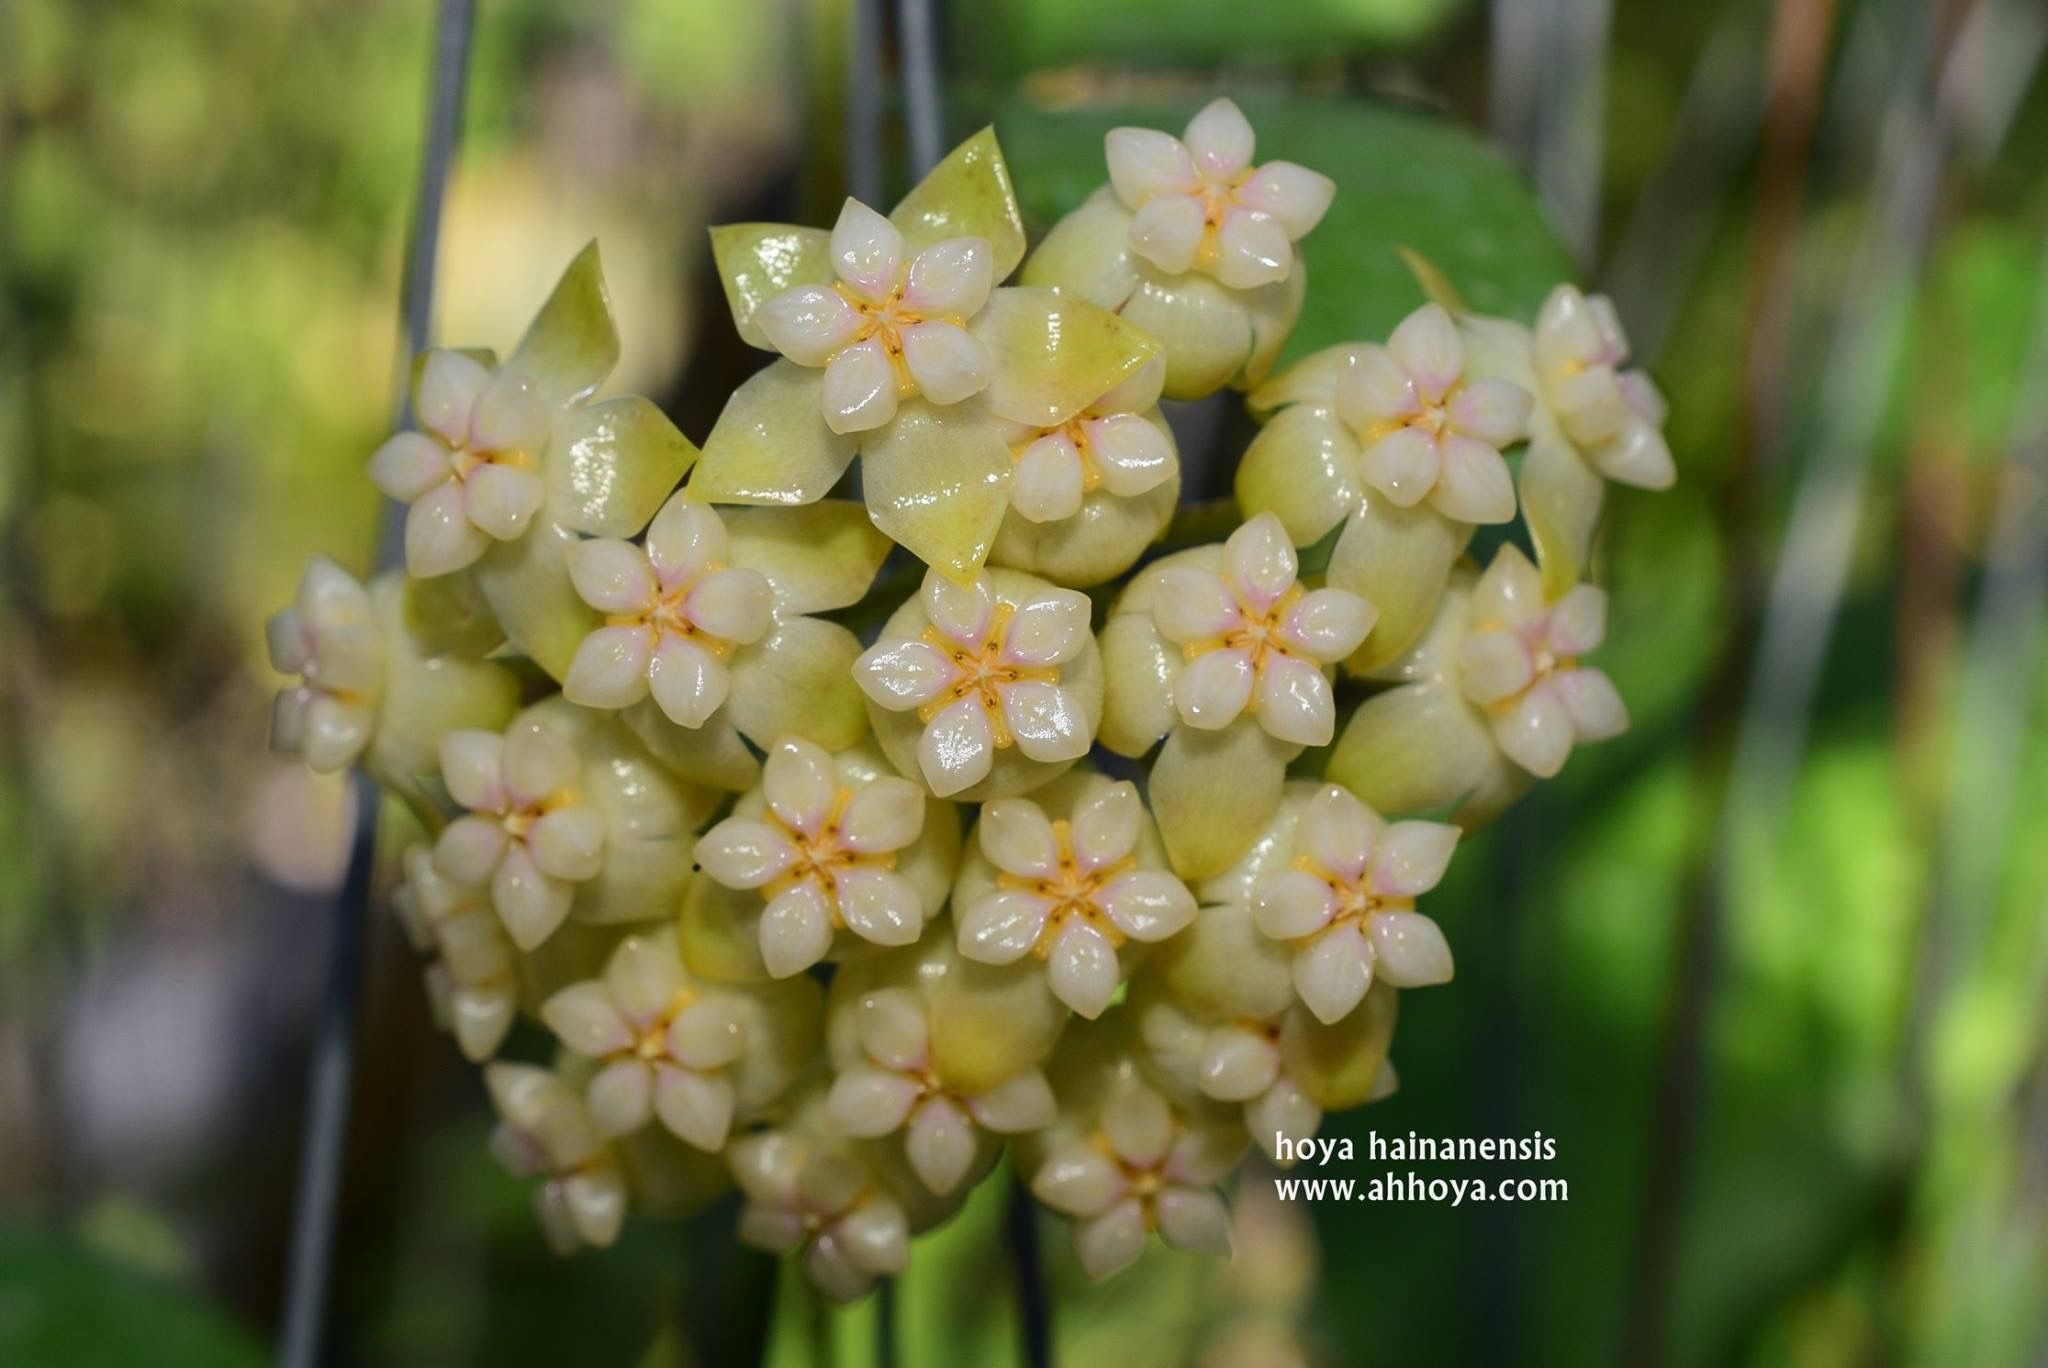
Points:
x=64 y=1308
x=1159 y=32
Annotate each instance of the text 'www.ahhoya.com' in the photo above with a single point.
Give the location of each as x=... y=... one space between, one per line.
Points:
x=1408 y=1185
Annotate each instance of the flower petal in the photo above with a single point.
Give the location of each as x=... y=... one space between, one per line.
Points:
x=1018 y=839
x=530 y=903
x=867 y=252
x=1338 y=832
x=584 y=1018
x=449 y=384
x=940 y=1144
x=1147 y=904
x=1081 y=969
x=810 y=324
x=796 y=930
x=568 y=843
x=644 y=975
x=1167 y=232
x=696 y=1108
x=408 y=465
x=951 y=278
x=867 y=1102
x=609 y=670
x=901 y=675
x=1108 y=1244
x=687 y=681
x=879 y=905
x=948 y=362
x=1138 y=1124
x=1260 y=561
x=963 y=612
x=1332 y=974
x=742 y=853
x=733 y=605
x=1295 y=702
x=1473 y=483
x=1131 y=453
x=1491 y=410
x=611 y=576
x=1411 y=857
x=684 y=539
x=886 y=815
x=1050 y=629
x=619 y=1097
x=472 y=766
x=1578 y=623
x=860 y=388
x=1144 y=162
x=1023 y=1102
x=1295 y=195
x=1220 y=140
x=1193 y=605
x=800 y=783
x=1106 y=824
x=1077 y=1179
x=469 y=849
x=1048 y=483
x=1194 y=1219
x=1409 y=950
x=439 y=537
x=1045 y=720
x=1427 y=346
x=1252 y=249
x=1596 y=707
x=1537 y=732
x=1327 y=625
x=1237 y=1064
x=707 y=1034
x=502 y=500
x=892 y=1028
x=1493 y=666
x=1288 y=904
x=1403 y=465
x=1213 y=689
x=957 y=748
x=538 y=765
x=1001 y=927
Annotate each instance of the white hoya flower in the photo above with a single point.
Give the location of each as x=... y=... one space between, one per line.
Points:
x=887 y=329
x=664 y=1042
x=473 y=982
x=1520 y=663
x=527 y=833
x=1347 y=902
x=1614 y=416
x=1255 y=640
x=545 y=1134
x=805 y=1193
x=1199 y=204
x=329 y=637
x=472 y=476
x=896 y=1088
x=1071 y=893
x=674 y=612
x=983 y=677
x=822 y=855
x=1428 y=432
x=1136 y=1173
x=1240 y=1061
x=1110 y=445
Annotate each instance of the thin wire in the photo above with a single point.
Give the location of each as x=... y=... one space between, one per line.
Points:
x=864 y=103
x=332 y=1070
x=917 y=37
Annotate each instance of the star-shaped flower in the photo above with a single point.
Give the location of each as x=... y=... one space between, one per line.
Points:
x=1255 y=640
x=473 y=473
x=823 y=855
x=1614 y=416
x=1136 y=1171
x=806 y=1194
x=329 y=637
x=473 y=981
x=545 y=1134
x=1520 y=663
x=1199 y=204
x=895 y=1086
x=527 y=833
x=1111 y=445
x=983 y=673
x=891 y=325
x=675 y=610
x=1071 y=891
x=1427 y=431
x=1347 y=902
x=665 y=1042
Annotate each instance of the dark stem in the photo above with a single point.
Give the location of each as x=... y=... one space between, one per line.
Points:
x=885 y=1323
x=332 y=1069
x=1027 y=1265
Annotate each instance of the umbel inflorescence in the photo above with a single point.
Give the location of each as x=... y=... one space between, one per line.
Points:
x=1092 y=843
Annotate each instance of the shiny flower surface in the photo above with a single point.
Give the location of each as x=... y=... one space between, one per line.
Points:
x=1614 y=416
x=544 y=1133
x=330 y=638
x=807 y=1195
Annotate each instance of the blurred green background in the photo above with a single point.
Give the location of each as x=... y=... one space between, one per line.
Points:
x=1770 y=970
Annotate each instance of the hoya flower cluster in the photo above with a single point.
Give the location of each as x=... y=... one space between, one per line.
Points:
x=842 y=846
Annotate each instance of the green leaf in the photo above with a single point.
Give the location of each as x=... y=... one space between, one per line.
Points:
x=613 y=465
x=573 y=343
x=68 y=1309
x=966 y=195
x=757 y=261
x=1403 y=181
x=1188 y=33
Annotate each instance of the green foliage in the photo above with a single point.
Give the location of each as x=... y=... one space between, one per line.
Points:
x=66 y=1308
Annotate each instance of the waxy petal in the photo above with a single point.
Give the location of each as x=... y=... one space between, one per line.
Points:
x=1473 y=484
x=1213 y=689
x=940 y=1144
x=947 y=362
x=892 y=1028
x=1081 y=969
x=502 y=500
x=530 y=903
x=408 y=465
x=1138 y=1124
x=1411 y=857
x=1492 y=411
x=696 y=1108
x=1193 y=605
x=1578 y=623
x=538 y=765
x=1426 y=345
x=1022 y=1103
x=1327 y=625
x=1295 y=195
x=1404 y=465
x=1252 y=249
x=951 y=278
x=1220 y=139
x=902 y=675
x=1001 y=927
x=1048 y=484
x=472 y=766
x=683 y=541
x=1144 y=162
x=1194 y=1220
x=1288 y=904
x=1595 y=705
x=1077 y=1179
x=859 y=392
x=1537 y=732
x=1409 y=950
x=963 y=612
x=886 y=815
x=742 y=853
x=867 y=252
x=439 y=537
x=800 y=783
x=1045 y=721
x=609 y=670
x=469 y=849
x=1338 y=832
x=449 y=384
x=644 y=975
x=867 y=1102
x=611 y=576
x=796 y=930
x=879 y=906
x=1332 y=974
x=688 y=682
x=1493 y=666
x=957 y=748
x=1295 y=702
x=1108 y=1244
x=1106 y=824
x=568 y=843
x=1132 y=455
x=707 y=1034
x=733 y=605
x=1048 y=630
x=585 y=1019
x=810 y=324
x=1237 y=1064
x=620 y=1097
x=1018 y=839
x=1147 y=904
x=1260 y=561
x=1167 y=232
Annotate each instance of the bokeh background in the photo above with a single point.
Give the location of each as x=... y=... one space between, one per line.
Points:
x=1770 y=970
